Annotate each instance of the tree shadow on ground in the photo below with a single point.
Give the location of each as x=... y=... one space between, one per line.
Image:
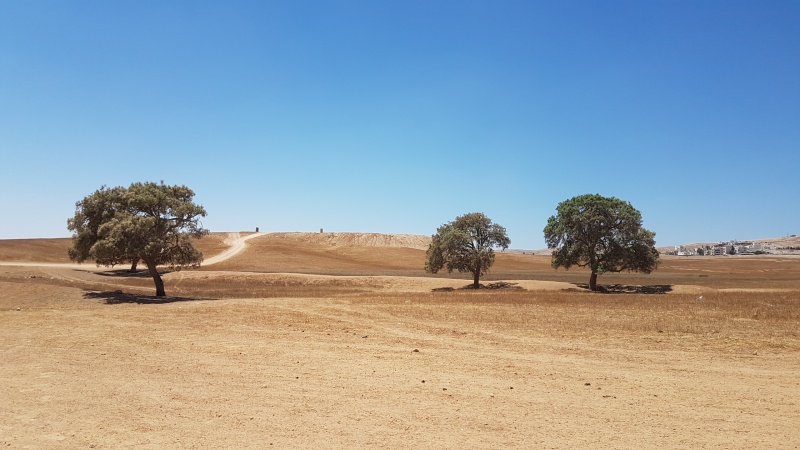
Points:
x=118 y=297
x=497 y=285
x=126 y=273
x=625 y=288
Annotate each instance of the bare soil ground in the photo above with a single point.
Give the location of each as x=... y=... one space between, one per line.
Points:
x=308 y=341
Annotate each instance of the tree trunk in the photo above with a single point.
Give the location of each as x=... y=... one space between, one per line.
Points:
x=593 y=282
x=476 y=277
x=151 y=267
x=134 y=263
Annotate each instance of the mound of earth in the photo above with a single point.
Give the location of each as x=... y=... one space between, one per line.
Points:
x=356 y=239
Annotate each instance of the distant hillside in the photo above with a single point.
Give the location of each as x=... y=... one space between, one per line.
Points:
x=358 y=239
x=35 y=250
x=788 y=241
x=55 y=250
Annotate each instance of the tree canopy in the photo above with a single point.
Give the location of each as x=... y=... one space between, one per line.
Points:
x=149 y=222
x=466 y=245
x=602 y=233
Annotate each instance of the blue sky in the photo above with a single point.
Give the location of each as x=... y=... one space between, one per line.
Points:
x=397 y=116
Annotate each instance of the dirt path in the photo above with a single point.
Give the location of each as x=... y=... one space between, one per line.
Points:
x=237 y=243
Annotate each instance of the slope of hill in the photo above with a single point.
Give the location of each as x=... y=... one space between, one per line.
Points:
x=418 y=242
x=329 y=253
x=35 y=250
x=55 y=250
x=370 y=254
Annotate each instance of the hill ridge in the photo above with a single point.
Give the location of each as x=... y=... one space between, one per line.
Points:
x=347 y=239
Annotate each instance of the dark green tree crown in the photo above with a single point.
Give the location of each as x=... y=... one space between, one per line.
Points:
x=147 y=221
x=603 y=233
x=466 y=245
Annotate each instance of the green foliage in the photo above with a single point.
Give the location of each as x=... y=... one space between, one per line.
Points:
x=602 y=233
x=466 y=245
x=146 y=221
x=90 y=214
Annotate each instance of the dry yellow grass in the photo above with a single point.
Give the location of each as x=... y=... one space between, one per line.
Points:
x=350 y=345
x=55 y=250
x=35 y=250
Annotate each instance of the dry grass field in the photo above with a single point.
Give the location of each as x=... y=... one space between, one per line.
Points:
x=342 y=341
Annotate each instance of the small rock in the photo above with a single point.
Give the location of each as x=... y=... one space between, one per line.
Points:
x=416 y=350
x=587 y=384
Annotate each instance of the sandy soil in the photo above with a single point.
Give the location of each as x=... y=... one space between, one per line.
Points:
x=85 y=365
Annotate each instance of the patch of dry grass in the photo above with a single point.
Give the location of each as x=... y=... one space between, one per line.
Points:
x=39 y=250
x=55 y=250
x=233 y=286
x=721 y=302
x=720 y=320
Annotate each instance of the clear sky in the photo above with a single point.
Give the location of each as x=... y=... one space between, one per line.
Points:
x=397 y=116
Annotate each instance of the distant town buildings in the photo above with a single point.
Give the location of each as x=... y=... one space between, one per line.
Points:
x=727 y=248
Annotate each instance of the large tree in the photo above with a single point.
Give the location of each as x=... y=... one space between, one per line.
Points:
x=147 y=222
x=604 y=234
x=466 y=245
